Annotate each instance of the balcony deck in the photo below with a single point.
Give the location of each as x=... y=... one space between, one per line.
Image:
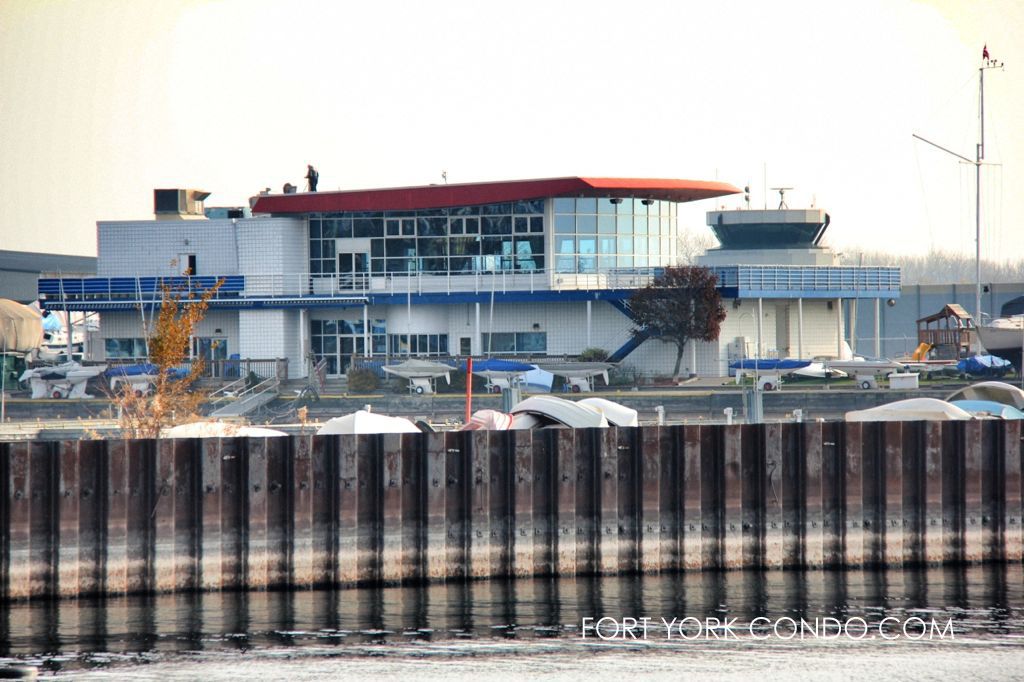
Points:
x=308 y=290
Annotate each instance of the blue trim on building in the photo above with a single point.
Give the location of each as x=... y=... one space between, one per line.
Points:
x=110 y=287
x=735 y=281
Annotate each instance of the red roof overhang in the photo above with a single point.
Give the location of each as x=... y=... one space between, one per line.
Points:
x=441 y=196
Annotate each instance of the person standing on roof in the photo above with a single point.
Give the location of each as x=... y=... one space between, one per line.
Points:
x=312 y=176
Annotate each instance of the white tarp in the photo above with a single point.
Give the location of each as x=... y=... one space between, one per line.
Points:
x=219 y=430
x=616 y=413
x=21 y=327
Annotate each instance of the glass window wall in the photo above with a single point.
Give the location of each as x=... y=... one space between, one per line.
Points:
x=515 y=343
x=589 y=235
x=593 y=235
x=337 y=341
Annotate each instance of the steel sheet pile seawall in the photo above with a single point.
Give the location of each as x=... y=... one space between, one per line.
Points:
x=114 y=517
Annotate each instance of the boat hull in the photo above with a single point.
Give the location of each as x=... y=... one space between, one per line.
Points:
x=1003 y=342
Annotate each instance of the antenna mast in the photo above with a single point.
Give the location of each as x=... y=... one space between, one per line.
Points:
x=782 y=196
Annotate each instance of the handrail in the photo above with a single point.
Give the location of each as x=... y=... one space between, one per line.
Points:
x=223 y=393
x=305 y=285
x=262 y=387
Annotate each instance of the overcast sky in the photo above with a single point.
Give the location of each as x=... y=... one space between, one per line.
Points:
x=102 y=101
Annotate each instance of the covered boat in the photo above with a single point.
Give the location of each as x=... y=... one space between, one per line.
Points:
x=67 y=380
x=989 y=408
x=21 y=327
x=914 y=409
x=996 y=391
x=493 y=420
x=421 y=374
x=770 y=364
x=364 y=422
x=217 y=429
x=551 y=410
x=615 y=413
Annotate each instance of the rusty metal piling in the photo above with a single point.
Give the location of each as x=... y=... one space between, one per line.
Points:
x=126 y=517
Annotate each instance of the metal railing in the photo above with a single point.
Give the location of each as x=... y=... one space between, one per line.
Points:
x=229 y=369
x=304 y=285
x=816 y=278
x=249 y=396
x=145 y=289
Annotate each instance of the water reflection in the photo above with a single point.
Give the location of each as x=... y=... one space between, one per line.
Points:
x=983 y=601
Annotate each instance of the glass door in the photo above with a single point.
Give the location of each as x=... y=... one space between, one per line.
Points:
x=214 y=351
x=353 y=269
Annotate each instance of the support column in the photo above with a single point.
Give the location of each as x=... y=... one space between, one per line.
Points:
x=408 y=316
x=800 y=328
x=304 y=338
x=878 y=327
x=478 y=347
x=839 y=328
x=367 y=336
x=760 y=325
x=853 y=325
x=589 y=323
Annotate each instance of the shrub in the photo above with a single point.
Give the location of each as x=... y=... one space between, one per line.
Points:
x=362 y=380
x=593 y=355
x=624 y=375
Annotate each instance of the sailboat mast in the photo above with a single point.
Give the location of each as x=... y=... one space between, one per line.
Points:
x=980 y=151
x=979 y=155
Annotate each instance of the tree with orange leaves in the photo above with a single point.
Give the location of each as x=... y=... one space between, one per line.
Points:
x=172 y=399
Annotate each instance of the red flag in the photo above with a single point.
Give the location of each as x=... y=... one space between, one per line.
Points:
x=984 y=52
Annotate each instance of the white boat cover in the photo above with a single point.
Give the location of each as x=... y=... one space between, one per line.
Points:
x=493 y=420
x=488 y=420
x=561 y=411
x=616 y=414
x=989 y=408
x=362 y=421
x=996 y=391
x=420 y=368
x=914 y=409
x=215 y=429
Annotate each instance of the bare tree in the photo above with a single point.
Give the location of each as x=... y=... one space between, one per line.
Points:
x=682 y=304
x=690 y=245
x=941 y=267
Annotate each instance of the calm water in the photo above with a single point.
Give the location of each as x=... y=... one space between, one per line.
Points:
x=496 y=629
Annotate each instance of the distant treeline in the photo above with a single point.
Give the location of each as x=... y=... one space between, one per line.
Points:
x=941 y=267
x=934 y=267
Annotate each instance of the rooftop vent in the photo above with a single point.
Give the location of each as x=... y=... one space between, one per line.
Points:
x=179 y=204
